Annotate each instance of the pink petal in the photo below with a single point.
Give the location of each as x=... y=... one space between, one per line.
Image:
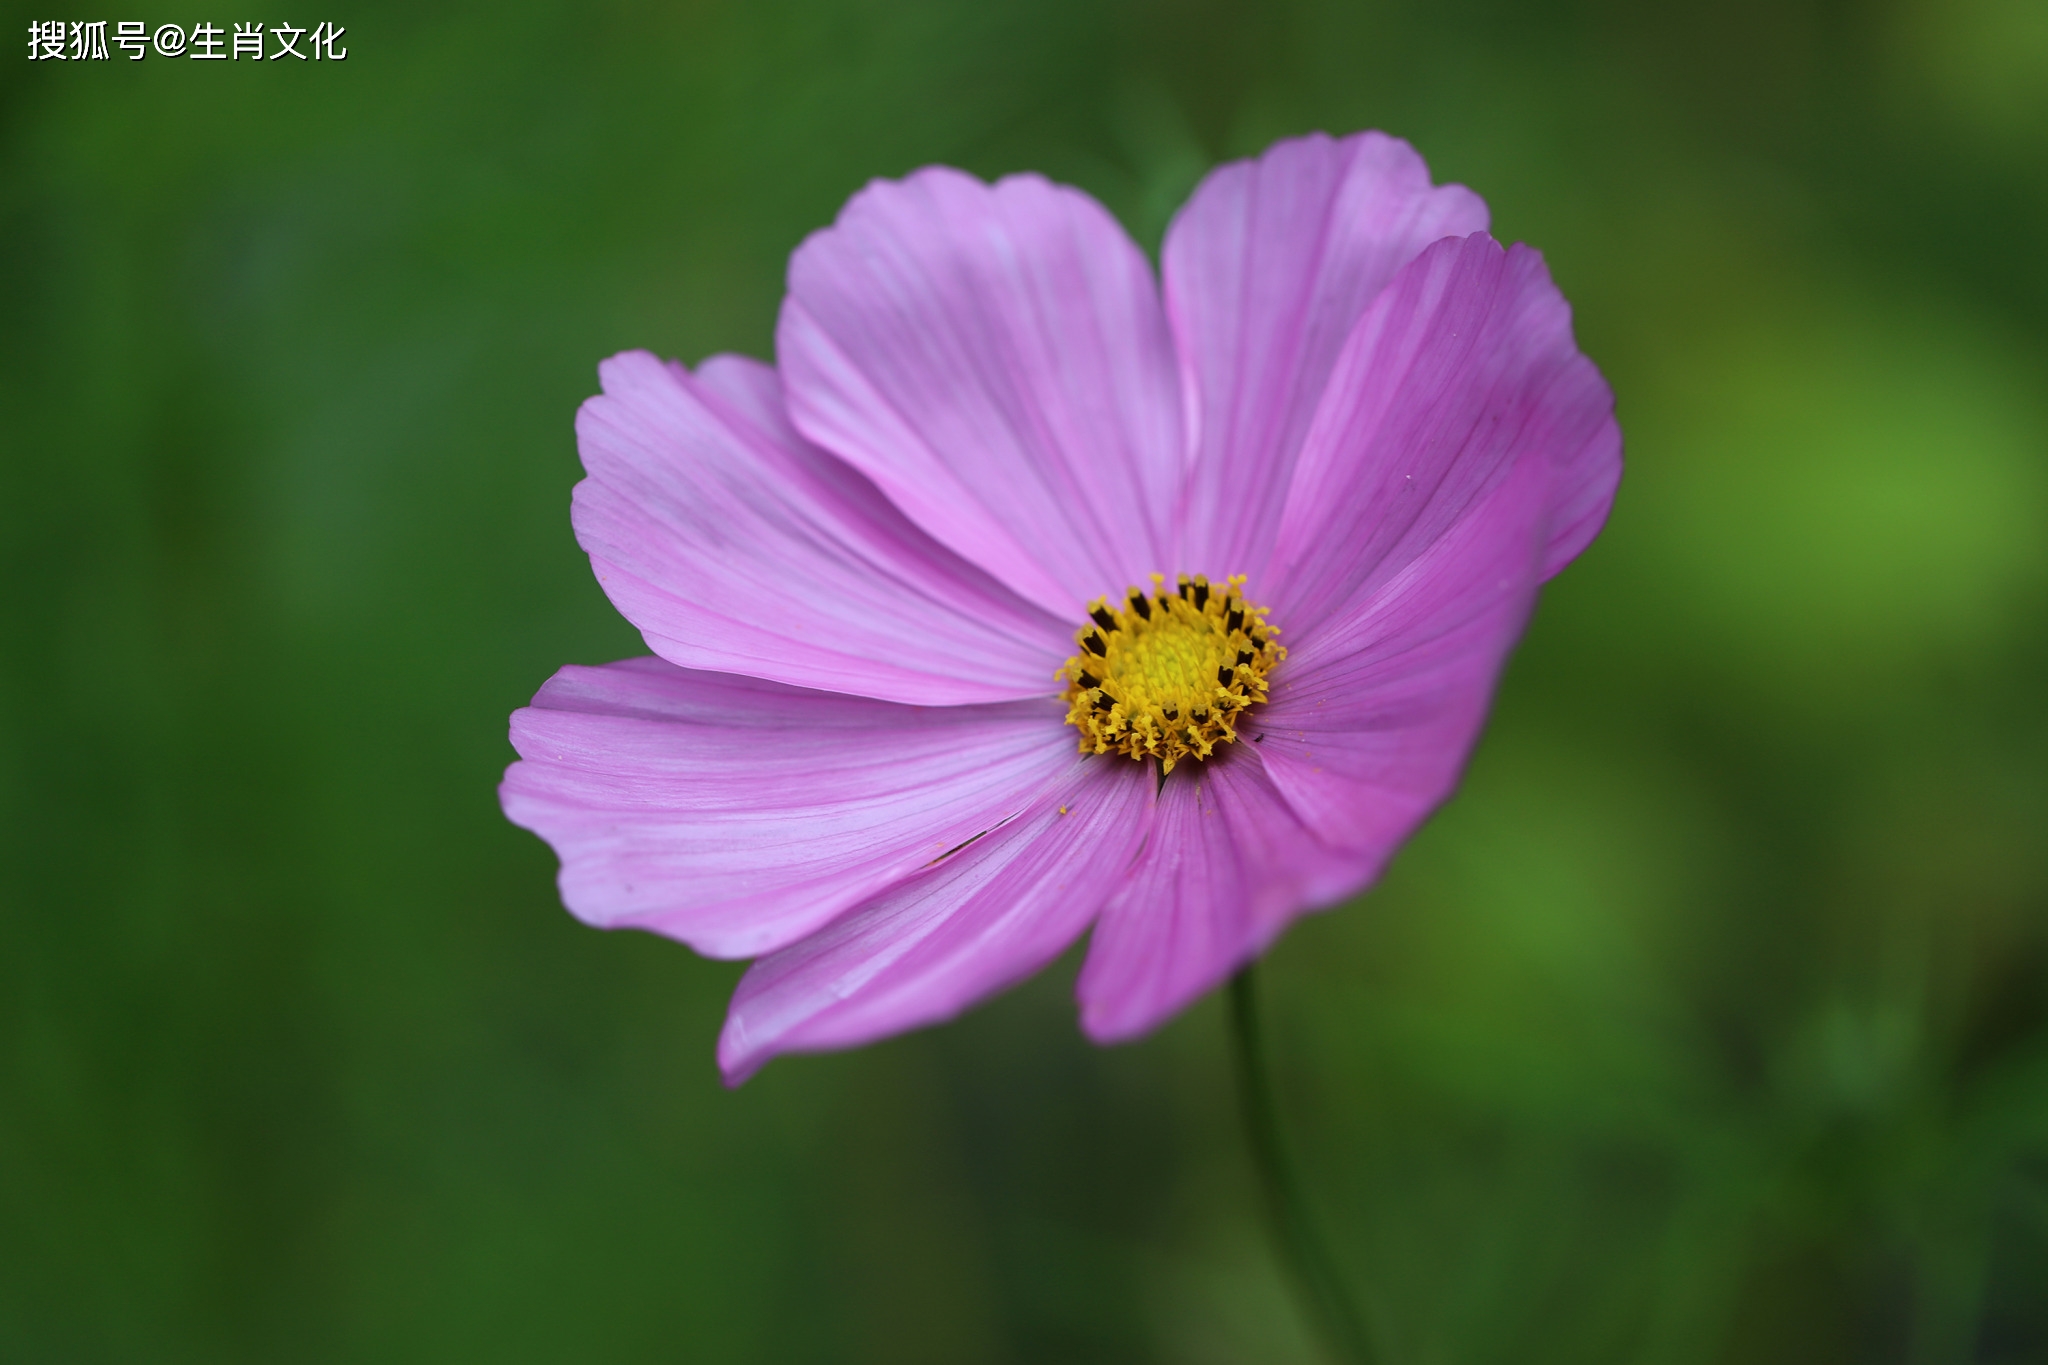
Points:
x=1225 y=870
x=1268 y=268
x=739 y=815
x=735 y=545
x=997 y=360
x=1374 y=713
x=1228 y=866
x=925 y=950
x=1462 y=367
x=1583 y=481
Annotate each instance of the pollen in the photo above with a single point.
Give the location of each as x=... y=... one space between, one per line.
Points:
x=1168 y=675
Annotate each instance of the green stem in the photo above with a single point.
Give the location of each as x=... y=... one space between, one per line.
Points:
x=1301 y=1245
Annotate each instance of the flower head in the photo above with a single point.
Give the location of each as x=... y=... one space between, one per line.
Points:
x=970 y=613
x=1167 y=675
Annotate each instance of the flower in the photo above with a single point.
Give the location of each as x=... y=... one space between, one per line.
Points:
x=1260 y=539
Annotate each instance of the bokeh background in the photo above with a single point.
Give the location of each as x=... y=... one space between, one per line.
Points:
x=1709 y=1023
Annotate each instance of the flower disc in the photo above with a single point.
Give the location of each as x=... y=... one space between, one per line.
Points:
x=1167 y=674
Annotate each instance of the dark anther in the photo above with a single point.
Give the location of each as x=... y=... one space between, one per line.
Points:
x=1103 y=617
x=1093 y=643
x=1225 y=674
x=1201 y=596
x=1183 y=588
x=1200 y=715
x=1088 y=680
x=1235 y=621
x=1244 y=656
x=1172 y=713
x=1258 y=644
x=1103 y=703
x=1142 y=605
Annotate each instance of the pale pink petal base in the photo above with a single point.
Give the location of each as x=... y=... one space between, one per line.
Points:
x=985 y=918
x=1229 y=865
x=739 y=815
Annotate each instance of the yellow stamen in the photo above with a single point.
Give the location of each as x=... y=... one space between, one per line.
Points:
x=1166 y=675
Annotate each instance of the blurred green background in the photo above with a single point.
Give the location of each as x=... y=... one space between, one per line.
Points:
x=1708 y=1024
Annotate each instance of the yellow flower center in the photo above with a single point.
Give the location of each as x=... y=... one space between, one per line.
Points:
x=1166 y=675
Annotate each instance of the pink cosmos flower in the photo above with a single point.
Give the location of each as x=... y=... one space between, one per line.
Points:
x=1260 y=541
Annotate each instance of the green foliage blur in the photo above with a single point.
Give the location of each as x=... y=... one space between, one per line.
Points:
x=1709 y=1023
